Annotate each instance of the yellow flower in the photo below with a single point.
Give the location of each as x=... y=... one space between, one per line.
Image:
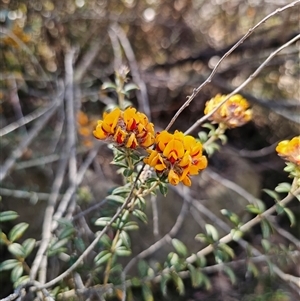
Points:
x=233 y=113
x=290 y=150
x=129 y=128
x=176 y=156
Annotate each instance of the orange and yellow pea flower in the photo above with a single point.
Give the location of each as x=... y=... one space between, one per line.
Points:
x=233 y=113
x=129 y=128
x=177 y=156
x=290 y=150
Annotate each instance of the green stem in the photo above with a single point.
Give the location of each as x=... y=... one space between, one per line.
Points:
x=109 y=263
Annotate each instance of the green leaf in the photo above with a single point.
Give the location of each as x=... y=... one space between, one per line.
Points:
x=106 y=241
x=231 y=216
x=28 y=246
x=272 y=194
x=223 y=138
x=266 y=228
x=8 y=264
x=147 y=293
x=283 y=187
x=251 y=267
x=21 y=281
x=57 y=245
x=236 y=234
x=291 y=216
x=123 y=251
x=179 y=247
x=127 y=172
x=227 y=270
x=163 y=284
x=201 y=261
x=66 y=232
x=17 y=231
x=102 y=257
x=131 y=226
x=3 y=238
x=179 y=283
x=79 y=244
x=212 y=232
x=227 y=250
x=203 y=238
x=17 y=250
x=209 y=126
x=17 y=272
x=202 y=136
x=140 y=215
x=163 y=189
x=196 y=276
x=102 y=221
x=143 y=268
x=8 y=216
x=125 y=239
x=253 y=209
x=116 y=198
x=131 y=86
x=108 y=85
x=266 y=245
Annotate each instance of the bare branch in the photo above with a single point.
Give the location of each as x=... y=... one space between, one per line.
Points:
x=208 y=80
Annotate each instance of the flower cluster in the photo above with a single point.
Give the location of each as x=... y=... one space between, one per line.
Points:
x=176 y=156
x=290 y=150
x=129 y=128
x=233 y=113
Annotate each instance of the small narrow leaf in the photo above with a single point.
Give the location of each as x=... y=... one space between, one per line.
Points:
x=8 y=264
x=125 y=239
x=102 y=257
x=291 y=216
x=272 y=194
x=17 y=272
x=127 y=172
x=147 y=293
x=179 y=283
x=108 y=85
x=116 y=198
x=283 y=187
x=179 y=247
x=163 y=284
x=17 y=250
x=21 y=281
x=227 y=270
x=8 y=216
x=28 y=246
x=212 y=231
x=17 y=231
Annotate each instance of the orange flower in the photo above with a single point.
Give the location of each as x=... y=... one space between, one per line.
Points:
x=290 y=150
x=233 y=113
x=176 y=156
x=128 y=128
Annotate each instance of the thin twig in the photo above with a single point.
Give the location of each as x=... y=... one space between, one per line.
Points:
x=208 y=80
x=142 y=96
x=17 y=152
x=24 y=120
x=72 y=188
x=21 y=194
x=246 y=82
x=48 y=216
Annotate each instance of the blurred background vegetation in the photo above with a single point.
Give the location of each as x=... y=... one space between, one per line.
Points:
x=171 y=47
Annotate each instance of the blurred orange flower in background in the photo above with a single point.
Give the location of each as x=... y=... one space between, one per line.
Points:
x=233 y=113
x=177 y=156
x=290 y=150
